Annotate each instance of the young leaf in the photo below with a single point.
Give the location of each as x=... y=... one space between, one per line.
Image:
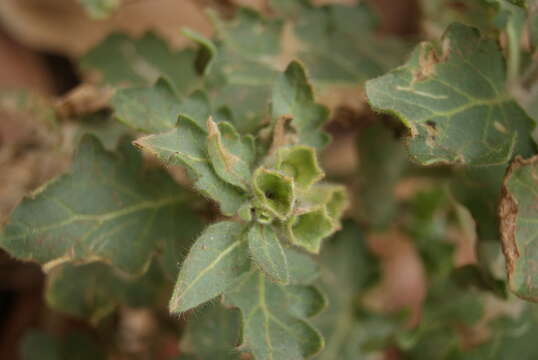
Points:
x=230 y=155
x=518 y=214
x=454 y=101
x=292 y=96
x=186 y=146
x=215 y=262
x=270 y=329
x=267 y=253
x=300 y=163
x=274 y=192
x=156 y=109
x=106 y=204
x=309 y=228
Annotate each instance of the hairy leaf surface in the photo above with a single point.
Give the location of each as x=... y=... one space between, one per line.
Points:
x=271 y=328
x=215 y=262
x=105 y=205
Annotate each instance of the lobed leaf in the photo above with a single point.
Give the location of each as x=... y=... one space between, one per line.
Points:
x=106 y=204
x=454 y=101
x=93 y=291
x=270 y=329
x=121 y=60
x=292 y=97
x=156 y=109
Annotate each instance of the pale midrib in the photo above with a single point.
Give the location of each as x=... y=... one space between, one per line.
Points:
x=214 y=263
x=103 y=217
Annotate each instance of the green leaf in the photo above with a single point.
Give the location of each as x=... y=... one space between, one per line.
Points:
x=309 y=228
x=292 y=97
x=186 y=146
x=243 y=71
x=518 y=215
x=348 y=270
x=212 y=333
x=300 y=163
x=38 y=345
x=454 y=101
x=305 y=301
x=121 y=61
x=267 y=253
x=230 y=155
x=383 y=160
x=274 y=192
x=215 y=262
x=100 y=9
x=106 y=204
x=93 y=291
x=330 y=47
x=302 y=268
x=271 y=330
x=334 y=198
x=156 y=109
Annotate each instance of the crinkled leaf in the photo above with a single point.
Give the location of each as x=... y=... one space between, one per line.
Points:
x=186 y=146
x=300 y=163
x=292 y=96
x=271 y=330
x=518 y=214
x=230 y=154
x=155 y=109
x=308 y=229
x=212 y=333
x=92 y=291
x=454 y=101
x=100 y=9
x=106 y=204
x=267 y=253
x=121 y=60
x=334 y=198
x=215 y=262
x=274 y=192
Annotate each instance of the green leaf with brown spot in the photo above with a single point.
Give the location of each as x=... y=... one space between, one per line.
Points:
x=231 y=155
x=186 y=146
x=452 y=97
x=518 y=212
